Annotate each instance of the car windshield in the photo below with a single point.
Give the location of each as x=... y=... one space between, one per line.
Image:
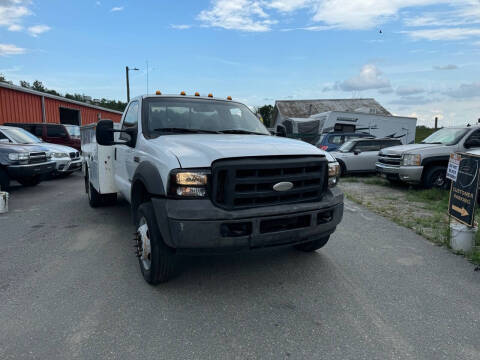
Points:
x=20 y=136
x=347 y=147
x=74 y=131
x=185 y=116
x=445 y=136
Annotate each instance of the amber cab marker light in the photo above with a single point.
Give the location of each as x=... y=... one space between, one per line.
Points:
x=197 y=94
x=229 y=98
x=183 y=93
x=158 y=92
x=210 y=95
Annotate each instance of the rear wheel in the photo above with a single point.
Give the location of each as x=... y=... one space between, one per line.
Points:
x=31 y=181
x=436 y=177
x=313 y=245
x=157 y=260
x=95 y=199
x=4 y=180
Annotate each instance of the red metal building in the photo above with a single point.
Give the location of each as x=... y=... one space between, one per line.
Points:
x=21 y=105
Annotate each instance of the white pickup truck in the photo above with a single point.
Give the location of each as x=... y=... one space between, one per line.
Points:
x=203 y=175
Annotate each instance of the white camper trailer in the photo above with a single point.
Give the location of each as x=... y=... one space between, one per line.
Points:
x=380 y=126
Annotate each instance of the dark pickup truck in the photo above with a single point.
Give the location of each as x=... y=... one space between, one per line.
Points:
x=24 y=163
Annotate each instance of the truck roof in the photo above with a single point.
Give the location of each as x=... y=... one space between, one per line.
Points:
x=185 y=96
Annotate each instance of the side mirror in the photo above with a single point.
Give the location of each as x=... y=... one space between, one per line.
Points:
x=4 y=141
x=104 y=132
x=356 y=152
x=281 y=131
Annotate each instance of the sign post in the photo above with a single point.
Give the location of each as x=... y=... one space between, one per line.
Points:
x=463 y=170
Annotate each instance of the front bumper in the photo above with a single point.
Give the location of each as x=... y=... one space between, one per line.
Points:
x=197 y=225
x=408 y=174
x=67 y=165
x=30 y=170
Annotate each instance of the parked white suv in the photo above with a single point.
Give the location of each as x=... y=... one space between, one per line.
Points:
x=204 y=175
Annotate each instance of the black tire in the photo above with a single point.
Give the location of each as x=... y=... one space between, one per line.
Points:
x=162 y=258
x=4 y=180
x=313 y=245
x=435 y=177
x=31 y=181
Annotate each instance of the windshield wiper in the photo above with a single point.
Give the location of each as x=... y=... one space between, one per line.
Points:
x=435 y=142
x=238 y=131
x=186 y=131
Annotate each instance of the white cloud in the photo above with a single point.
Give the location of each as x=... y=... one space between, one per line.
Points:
x=370 y=77
x=180 y=26
x=10 y=49
x=116 y=8
x=446 y=67
x=12 y=12
x=98 y=3
x=456 y=33
x=288 y=5
x=15 y=27
x=409 y=90
x=38 y=29
x=244 y=15
x=465 y=91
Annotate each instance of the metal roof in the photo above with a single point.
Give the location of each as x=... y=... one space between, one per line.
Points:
x=61 y=98
x=306 y=108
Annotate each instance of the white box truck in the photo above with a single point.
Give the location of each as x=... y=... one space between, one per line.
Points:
x=203 y=174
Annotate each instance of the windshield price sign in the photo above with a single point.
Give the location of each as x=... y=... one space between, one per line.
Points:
x=463 y=193
x=453 y=165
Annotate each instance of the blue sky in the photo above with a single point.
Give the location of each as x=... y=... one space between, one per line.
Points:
x=424 y=63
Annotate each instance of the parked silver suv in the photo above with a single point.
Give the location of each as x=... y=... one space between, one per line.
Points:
x=426 y=163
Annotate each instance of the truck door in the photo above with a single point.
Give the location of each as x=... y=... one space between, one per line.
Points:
x=124 y=162
x=367 y=151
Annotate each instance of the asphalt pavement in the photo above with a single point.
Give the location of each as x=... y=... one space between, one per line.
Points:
x=71 y=288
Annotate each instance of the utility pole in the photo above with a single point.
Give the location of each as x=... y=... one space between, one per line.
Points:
x=436 y=122
x=127 y=69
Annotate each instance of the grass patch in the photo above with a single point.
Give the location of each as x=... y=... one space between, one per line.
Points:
x=375 y=181
x=349 y=179
x=422 y=132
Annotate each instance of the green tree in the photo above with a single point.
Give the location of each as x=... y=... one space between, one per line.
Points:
x=37 y=85
x=266 y=111
x=25 y=84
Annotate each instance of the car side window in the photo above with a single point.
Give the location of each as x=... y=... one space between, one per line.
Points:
x=56 y=131
x=389 y=143
x=336 y=139
x=38 y=130
x=130 y=120
x=369 y=145
x=3 y=137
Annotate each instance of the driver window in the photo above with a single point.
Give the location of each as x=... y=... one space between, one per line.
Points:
x=474 y=139
x=3 y=137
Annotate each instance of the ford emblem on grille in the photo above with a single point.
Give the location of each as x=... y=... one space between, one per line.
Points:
x=283 y=186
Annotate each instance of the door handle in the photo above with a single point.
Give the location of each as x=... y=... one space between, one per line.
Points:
x=136 y=159
x=115 y=154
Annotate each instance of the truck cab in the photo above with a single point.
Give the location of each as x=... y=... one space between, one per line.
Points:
x=203 y=174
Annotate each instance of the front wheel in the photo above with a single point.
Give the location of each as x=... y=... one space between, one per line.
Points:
x=157 y=260
x=313 y=245
x=436 y=177
x=31 y=181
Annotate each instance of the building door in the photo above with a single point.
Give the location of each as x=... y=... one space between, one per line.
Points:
x=69 y=116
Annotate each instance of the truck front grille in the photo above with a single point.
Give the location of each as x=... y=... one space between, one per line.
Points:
x=390 y=159
x=37 y=157
x=248 y=182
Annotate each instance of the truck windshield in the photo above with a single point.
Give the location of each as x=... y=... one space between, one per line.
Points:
x=445 y=136
x=186 y=116
x=20 y=136
x=347 y=147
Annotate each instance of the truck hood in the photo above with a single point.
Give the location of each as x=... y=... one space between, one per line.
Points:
x=409 y=149
x=10 y=148
x=200 y=150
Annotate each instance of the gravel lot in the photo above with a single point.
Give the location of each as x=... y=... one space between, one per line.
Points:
x=70 y=288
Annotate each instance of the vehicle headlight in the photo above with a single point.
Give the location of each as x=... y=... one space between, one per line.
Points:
x=189 y=183
x=411 y=160
x=57 y=155
x=18 y=156
x=333 y=172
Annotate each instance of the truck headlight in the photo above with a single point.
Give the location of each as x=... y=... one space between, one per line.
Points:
x=333 y=172
x=189 y=183
x=411 y=160
x=18 y=156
